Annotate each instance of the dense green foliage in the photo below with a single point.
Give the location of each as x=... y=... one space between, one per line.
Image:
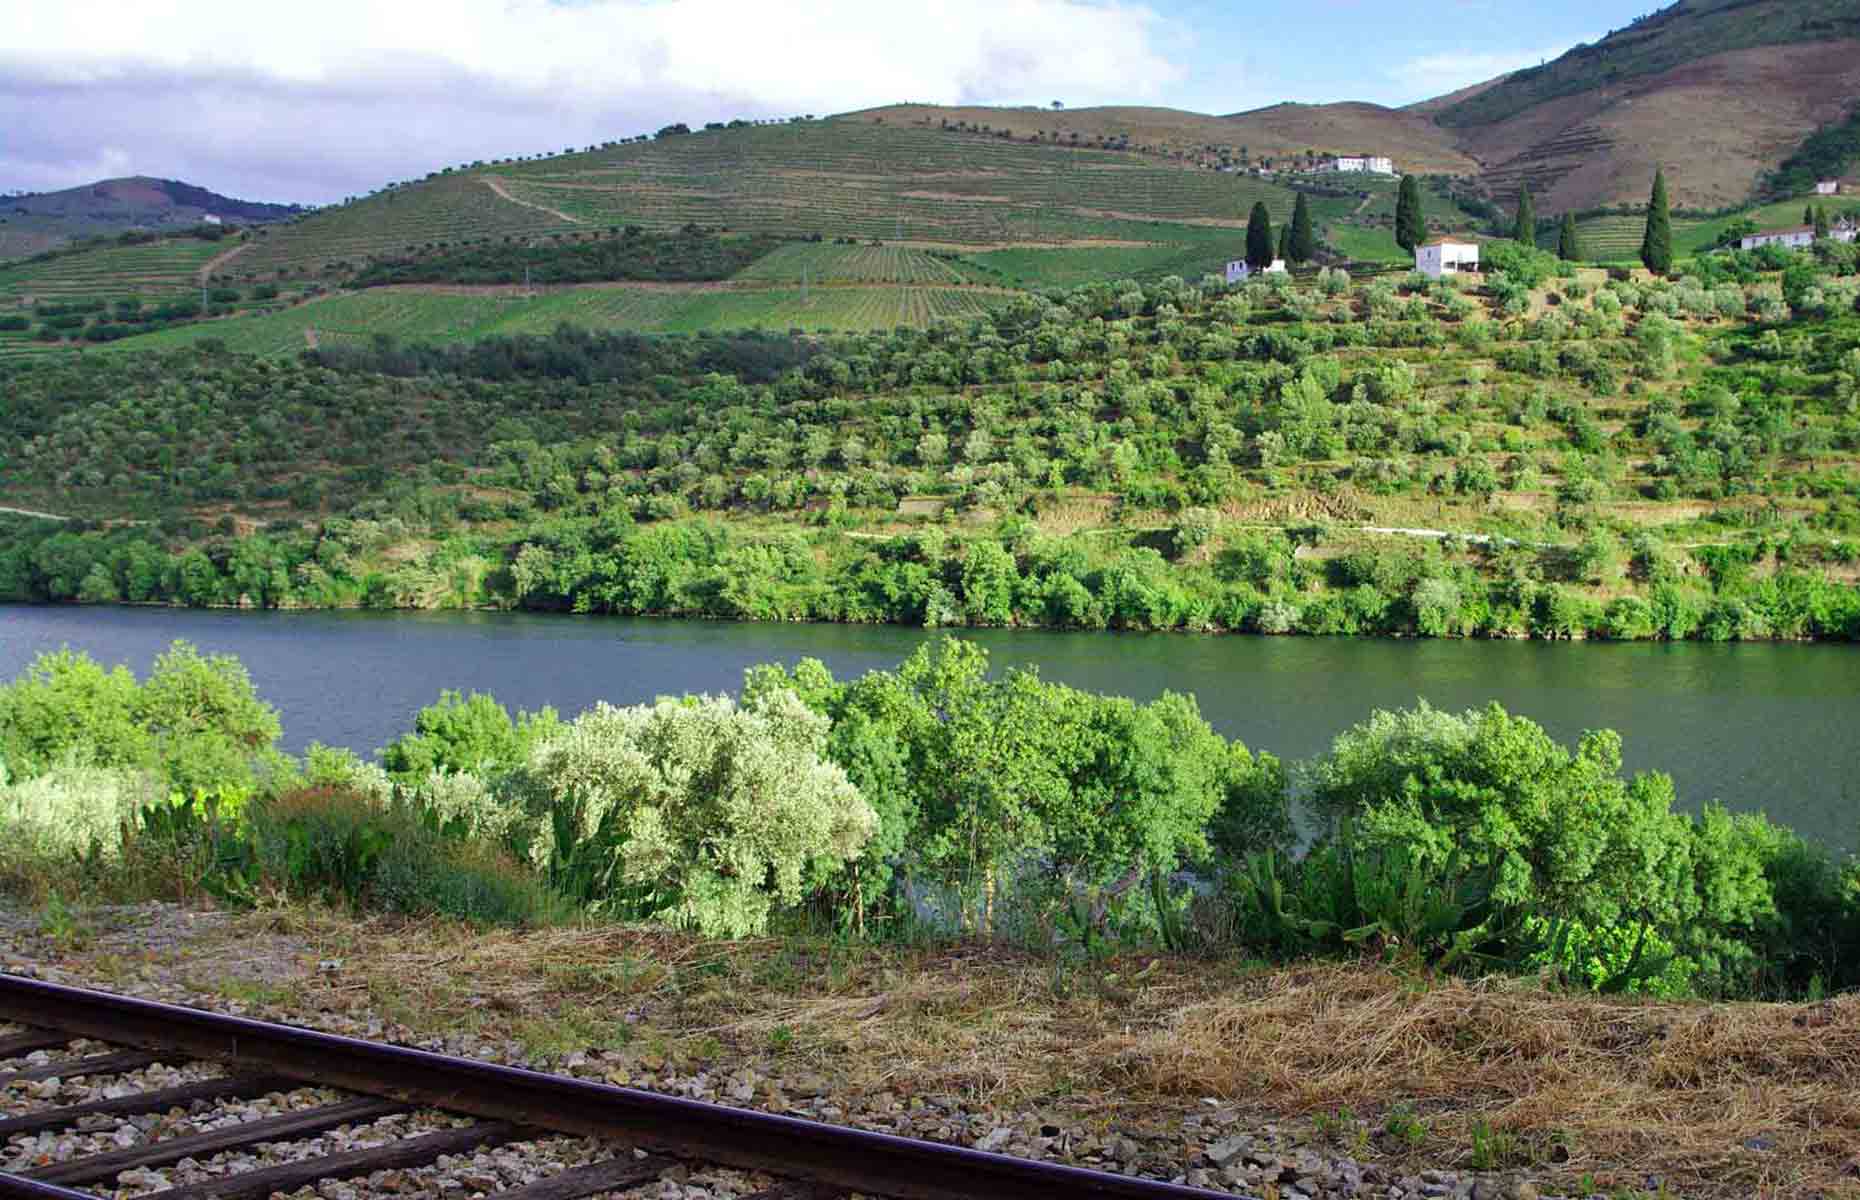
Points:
x=937 y=798
x=1668 y=459
x=1568 y=241
x=1524 y=228
x=1410 y=220
x=1260 y=247
x=194 y=722
x=628 y=254
x=1656 y=245
x=1304 y=240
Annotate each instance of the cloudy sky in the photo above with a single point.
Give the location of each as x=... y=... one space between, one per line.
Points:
x=312 y=100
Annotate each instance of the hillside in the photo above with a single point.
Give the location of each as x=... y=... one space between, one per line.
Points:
x=1280 y=131
x=859 y=178
x=1717 y=124
x=1415 y=143
x=1719 y=92
x=39 y=221
x=1626 y=459
x=1682 y=33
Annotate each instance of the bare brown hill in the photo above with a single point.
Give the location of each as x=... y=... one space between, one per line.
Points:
x=1411 y=139
x=1716 y=124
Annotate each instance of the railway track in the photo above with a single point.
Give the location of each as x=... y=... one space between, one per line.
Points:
x=629 y=1138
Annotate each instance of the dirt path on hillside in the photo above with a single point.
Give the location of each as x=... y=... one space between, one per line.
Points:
x=497 y=185
x=221 y=259
x=27 y=512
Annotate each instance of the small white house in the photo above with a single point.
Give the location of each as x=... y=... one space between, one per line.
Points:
x=209 y=219
x=1828 y=187
x=1446 y=256
x=1845 y=230
x=1360 y=164
x=1238 y=271
x=1794 y=238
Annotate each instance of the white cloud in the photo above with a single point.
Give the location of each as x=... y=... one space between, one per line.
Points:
x=1430 y=75
x=353 y=92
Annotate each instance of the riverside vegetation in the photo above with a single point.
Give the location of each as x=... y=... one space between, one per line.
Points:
x=1547 y=452
x=932 y=801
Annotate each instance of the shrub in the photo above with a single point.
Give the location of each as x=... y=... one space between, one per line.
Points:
x=714 y=813
x=70 y=811
x=474 y=734
x=1489 y=802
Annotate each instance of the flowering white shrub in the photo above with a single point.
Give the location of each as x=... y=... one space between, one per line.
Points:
x=69 y=809
x=718 y=811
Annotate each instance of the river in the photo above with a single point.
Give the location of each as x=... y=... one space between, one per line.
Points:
x=1762 y=727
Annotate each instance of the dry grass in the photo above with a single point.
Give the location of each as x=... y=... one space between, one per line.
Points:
x=1681 y=1091
x=1716 y=1100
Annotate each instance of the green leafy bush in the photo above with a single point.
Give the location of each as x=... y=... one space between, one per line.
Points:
x=717 y=812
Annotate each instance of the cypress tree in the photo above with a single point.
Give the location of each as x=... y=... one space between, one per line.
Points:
x=1285 y=243
x=1808 y=215
x=1568 y=248
x=1656 y=245
x=1304 y=242
x=1410 y=221
x=1820 y=222
x=1525 y=231
x=1259 y=244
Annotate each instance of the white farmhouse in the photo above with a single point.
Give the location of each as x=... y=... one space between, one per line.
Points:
x=1845 y=230
x=1794 y=238
x=209 y=219
x=1239 y=271
x=1360 y=164
x=1446 y=256
x=1828 y=187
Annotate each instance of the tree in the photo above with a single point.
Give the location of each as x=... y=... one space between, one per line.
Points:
x=711 y=813
x=1568 y=245
x=1284 y=250
x=1304 y=242
x=1656 y=246
x=1259 y=244
x=1525 y=231
x=1410 y=221
x=1820 y=221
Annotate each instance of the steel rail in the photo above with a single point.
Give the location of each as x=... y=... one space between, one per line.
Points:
x=853 y=1159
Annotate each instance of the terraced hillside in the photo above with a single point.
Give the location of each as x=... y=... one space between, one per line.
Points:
x=448 y=209
x=1279 y=131
x=841 y=178
x=151 y=272
x=1617 y=238
x=1673 y=36
x=826 y=262
x=438 y=315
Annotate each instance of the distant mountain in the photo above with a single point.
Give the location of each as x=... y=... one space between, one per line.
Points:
x=41 y=220
x=1719 y=92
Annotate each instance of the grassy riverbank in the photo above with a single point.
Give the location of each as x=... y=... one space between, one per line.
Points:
x=1144 y=1060
x=985 y=907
